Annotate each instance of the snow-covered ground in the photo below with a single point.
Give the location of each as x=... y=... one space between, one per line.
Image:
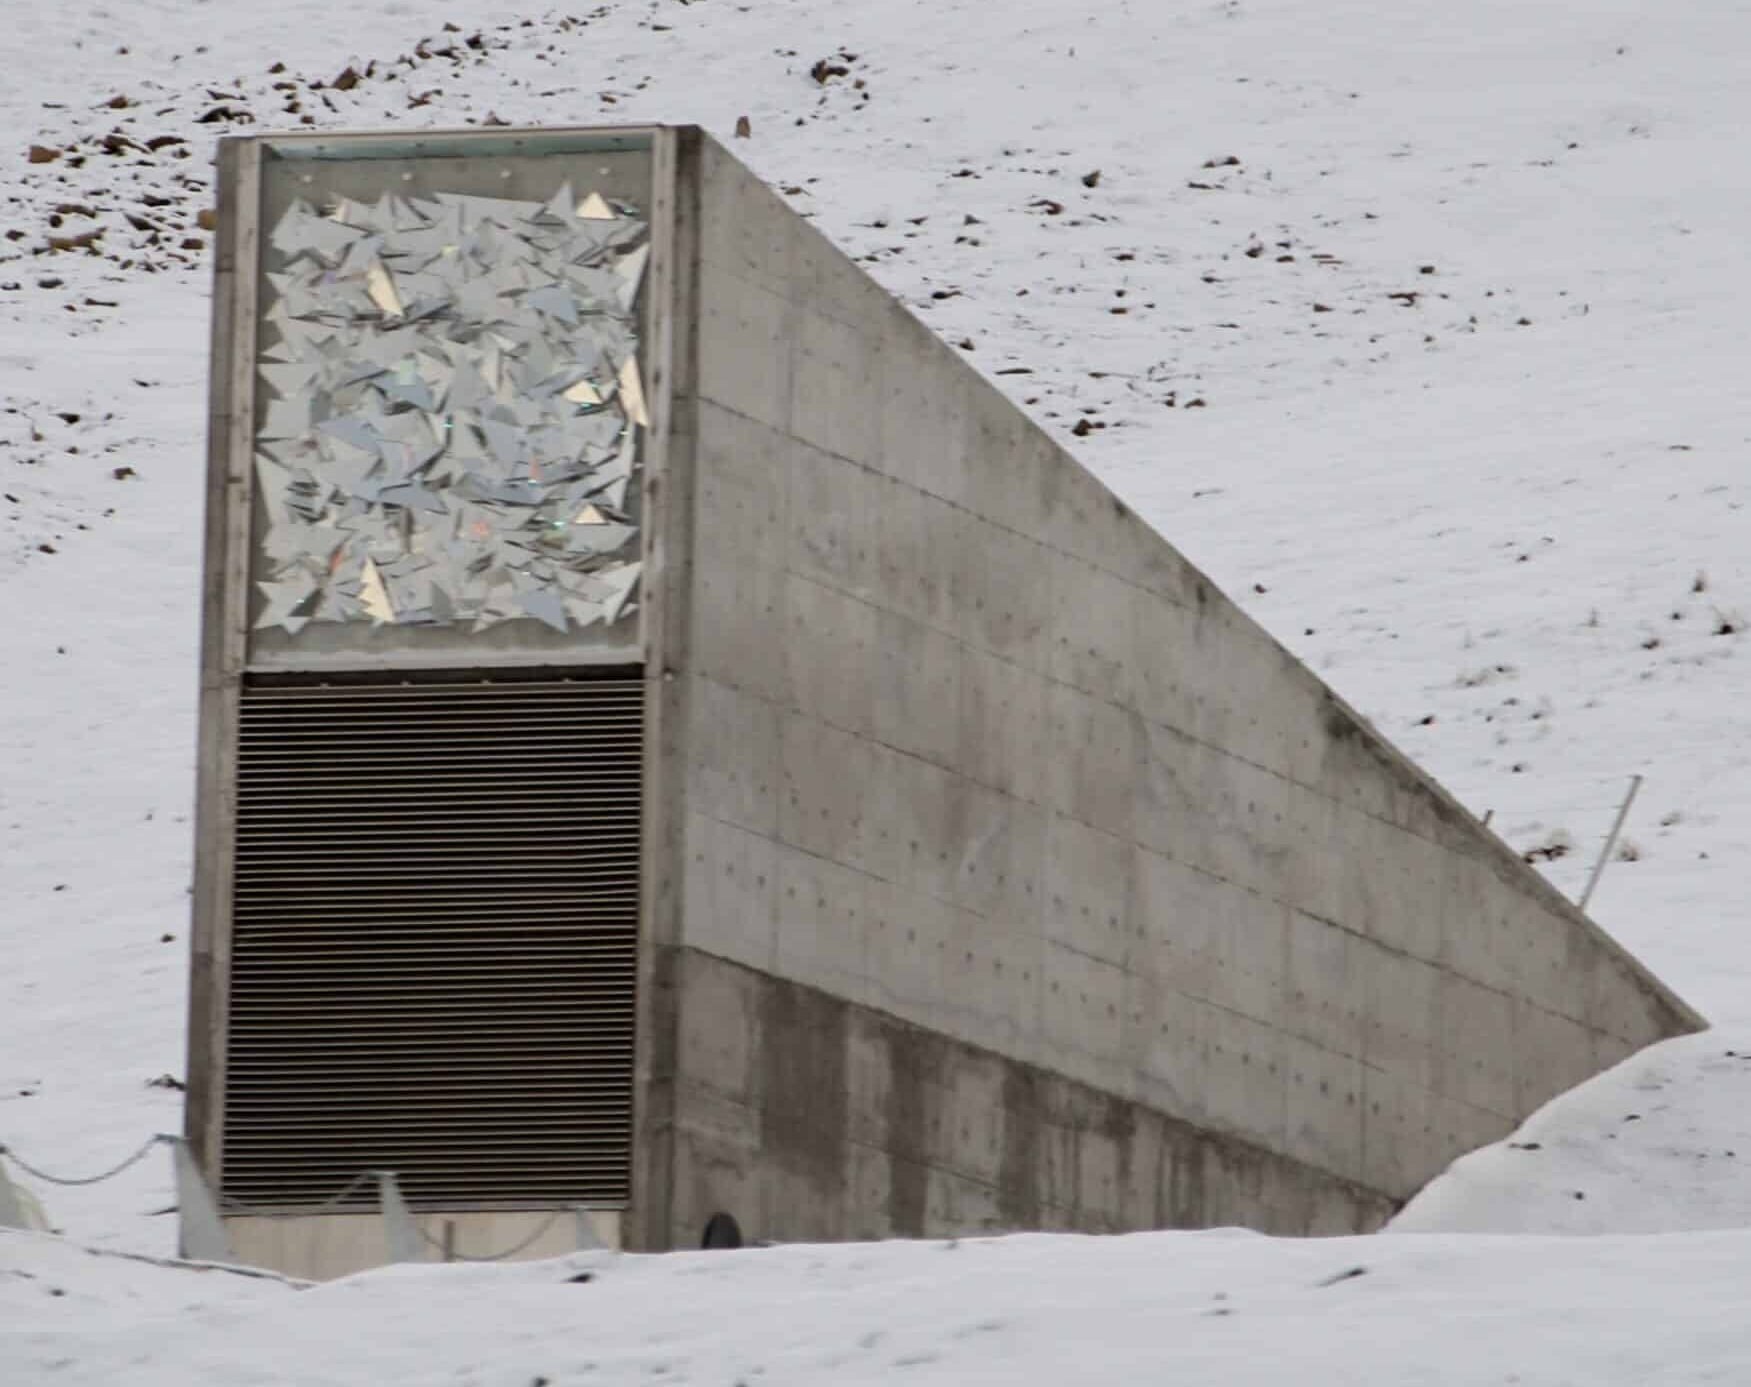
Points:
x=1419 y=326
x=1224 y=1307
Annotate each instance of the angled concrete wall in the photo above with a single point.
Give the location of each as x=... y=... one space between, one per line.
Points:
x=1001 y=831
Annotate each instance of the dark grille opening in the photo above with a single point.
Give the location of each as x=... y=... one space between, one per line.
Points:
x=434 y=943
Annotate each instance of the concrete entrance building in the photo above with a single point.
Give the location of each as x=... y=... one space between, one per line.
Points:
x=676 y=740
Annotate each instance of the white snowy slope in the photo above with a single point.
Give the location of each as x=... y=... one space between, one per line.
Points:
x=1419 y=326
x=1225 y=1307
x=1657 y=1145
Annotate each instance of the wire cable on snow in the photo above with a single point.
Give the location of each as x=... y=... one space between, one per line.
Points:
x=497 y=1256
x=109 y=1174
x=237 y=1206
x=183 y=1264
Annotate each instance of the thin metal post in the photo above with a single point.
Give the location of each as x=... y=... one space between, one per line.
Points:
x=202 y=1236
x=401 y=1235
x=1635 y=783
x=586 y=1229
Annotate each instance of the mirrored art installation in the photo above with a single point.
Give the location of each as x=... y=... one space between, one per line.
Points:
x=452 y=415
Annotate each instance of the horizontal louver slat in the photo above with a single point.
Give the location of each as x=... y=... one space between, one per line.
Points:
x=434 y=943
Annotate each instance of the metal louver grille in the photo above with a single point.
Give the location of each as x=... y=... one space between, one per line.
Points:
x=434 y=943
